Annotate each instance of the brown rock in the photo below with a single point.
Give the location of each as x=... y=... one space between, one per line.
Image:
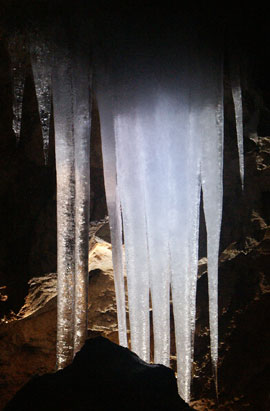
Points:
x=27 y=344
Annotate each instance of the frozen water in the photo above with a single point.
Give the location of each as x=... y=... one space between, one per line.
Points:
x=237 y=100
x=162 y=143
x=212 y=184
x=169 y=139
x=41 y=59
x=65 y=173
x=135 y=231
x=81 y=76
x=113 y=202
x=17 y=51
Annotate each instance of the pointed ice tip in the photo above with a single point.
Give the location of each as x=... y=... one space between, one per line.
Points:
x=46 y=160
x=242 y=184
x=215 y=375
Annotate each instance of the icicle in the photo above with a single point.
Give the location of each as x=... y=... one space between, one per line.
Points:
x=237 y=100
x=178 y=236
x=64 y=153
x=154 y=144
x=42 y=67
x=194 y=222
x=169 y=144
x=17 y=51
x=81 y=111
x=212 y=175
x=194 y=167
x=105 y=104
x=131 y=193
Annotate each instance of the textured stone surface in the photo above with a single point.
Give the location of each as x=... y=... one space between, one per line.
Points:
x=27 y=344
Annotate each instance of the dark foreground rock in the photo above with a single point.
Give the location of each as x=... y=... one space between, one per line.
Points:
x=102 y=376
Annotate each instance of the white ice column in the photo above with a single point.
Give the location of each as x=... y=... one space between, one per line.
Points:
x=154 y=144
x=105 y=105
x=131 y=190
x=212 y=182
x=41 y=58
x=178 y=239
x=64 y=152
x=81 y=78
x=237 y=100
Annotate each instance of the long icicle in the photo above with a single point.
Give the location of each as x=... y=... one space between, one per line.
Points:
x=81 y=77
x=17 y=51
x=41 y=59
x=194 y=167
x=237 y=101
x=154 y=145
x=131 y=195
x=212 y=176
x=178 y=236
x=113 y=202
x=64 y=153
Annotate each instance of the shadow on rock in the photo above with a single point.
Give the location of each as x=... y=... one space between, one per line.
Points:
x=102 y=376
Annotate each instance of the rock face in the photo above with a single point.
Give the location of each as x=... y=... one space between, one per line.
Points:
x=102 y=376
x=27 y=344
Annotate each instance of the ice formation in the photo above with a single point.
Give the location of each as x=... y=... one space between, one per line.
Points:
x=167 y=133
x=71 y=76
x=17 y=52
x=161 y=112
x=237 y=99
x=41 y=57
x=65 y=173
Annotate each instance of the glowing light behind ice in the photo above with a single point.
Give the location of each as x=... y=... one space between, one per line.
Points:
x=169 y=143
x=131 y=192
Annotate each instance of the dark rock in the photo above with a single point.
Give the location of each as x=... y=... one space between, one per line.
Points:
x=103 y=375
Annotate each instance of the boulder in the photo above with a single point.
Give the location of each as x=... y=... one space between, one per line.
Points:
x=102 y=376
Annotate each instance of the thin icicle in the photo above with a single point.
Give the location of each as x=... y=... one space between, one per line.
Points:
x=154 y=144
x=113 y=203
x=42 y=69
x=131 y=194
x=193 y=255
x=64 y=156
x=237 y=100
x=17 y=51
x=80 y=67
x=212 y=176
x=178 y=242
x=194 y=167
